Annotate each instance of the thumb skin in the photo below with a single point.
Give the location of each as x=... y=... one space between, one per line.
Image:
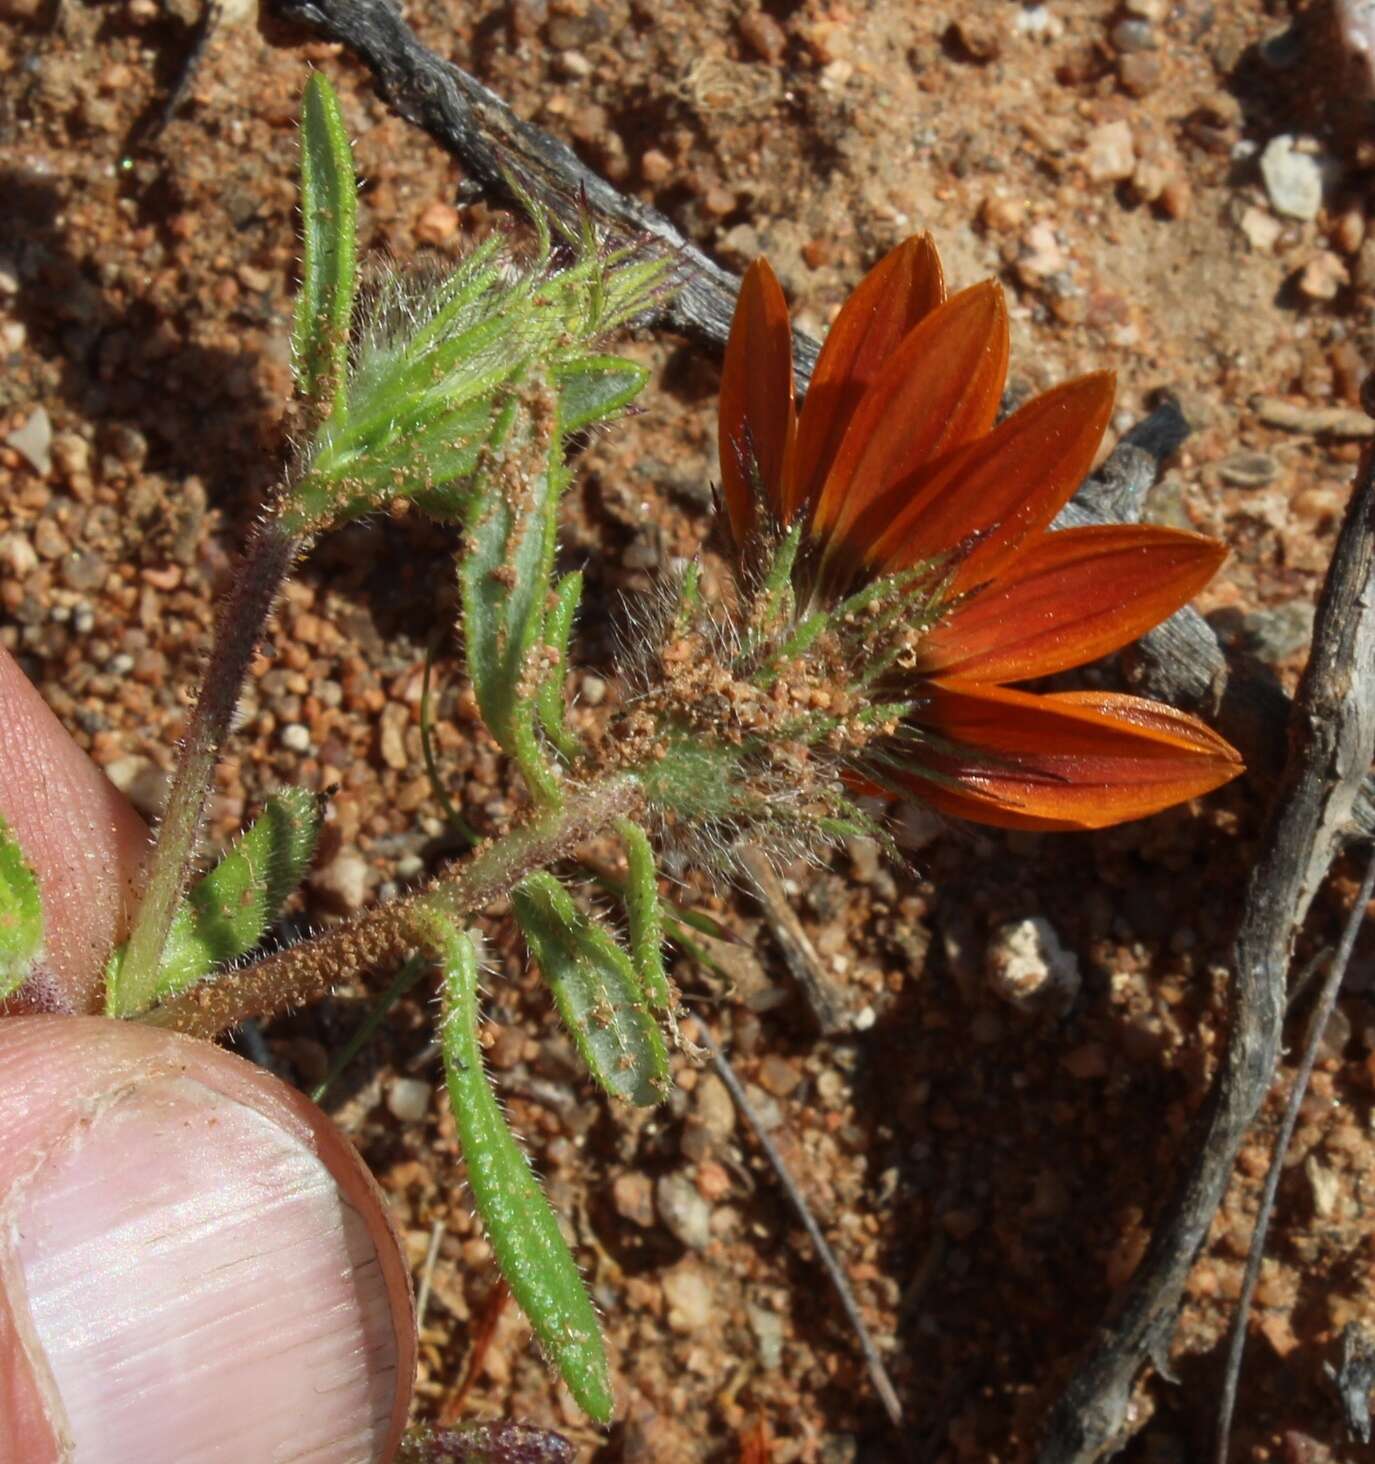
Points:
x=82 y=837
x=192 y=1260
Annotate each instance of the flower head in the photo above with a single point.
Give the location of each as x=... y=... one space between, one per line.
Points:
x=896 y=521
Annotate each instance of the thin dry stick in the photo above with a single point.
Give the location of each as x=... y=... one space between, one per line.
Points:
x=825 y=1003
x=883 y=1384
x=1327 y=999
x=1333 y=736
x=483 y=1335
x=422 y=1293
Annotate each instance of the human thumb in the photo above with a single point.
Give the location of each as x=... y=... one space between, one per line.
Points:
x=80 y=836
x=194 y=1264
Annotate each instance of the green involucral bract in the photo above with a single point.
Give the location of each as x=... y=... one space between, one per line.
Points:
x=694 y=780
x=21 y=915
x=228 y=912
x=522 y=1229
x=597 y=991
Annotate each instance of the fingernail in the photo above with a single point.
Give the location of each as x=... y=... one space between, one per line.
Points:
x=194 y=1275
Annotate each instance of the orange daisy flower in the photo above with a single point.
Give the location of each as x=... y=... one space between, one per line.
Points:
x=896 y=461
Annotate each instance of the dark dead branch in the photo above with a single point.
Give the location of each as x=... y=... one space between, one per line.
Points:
x=496 y=148
x=1353 y=1378
x=1327 y=999
x=1332 y=737
x=1180 y=662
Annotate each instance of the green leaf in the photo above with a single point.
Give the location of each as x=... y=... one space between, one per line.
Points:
x=644 y=914
x=522 y=1229
x=504 y=573
x=21 y=914
x=595 y=389
x=329 y=209
x=436 y=366
x=597 y=991
x=228 y=912
x=558 y=627
x=504 y=583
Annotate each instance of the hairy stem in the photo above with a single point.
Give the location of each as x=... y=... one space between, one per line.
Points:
x=388 y=934
x=267 y=559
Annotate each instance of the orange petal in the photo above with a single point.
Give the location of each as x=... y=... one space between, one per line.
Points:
x=1079 y=760
x=757 y=416
x=903 y=288
x=938 y=390
x=986 y=499
x=1069 y=598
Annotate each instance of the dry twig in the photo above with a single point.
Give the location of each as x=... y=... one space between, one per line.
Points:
x=1332 y=734
x=1327 y=999
x=1353 y=1378
x=883 y=1384
x=825 y=1003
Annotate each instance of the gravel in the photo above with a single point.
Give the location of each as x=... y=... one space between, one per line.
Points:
x=1293 y=179
x=32 y=440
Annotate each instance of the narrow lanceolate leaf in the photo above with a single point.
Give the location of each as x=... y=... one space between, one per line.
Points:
x=597 y=991
x=21 y=915
x=228 y=912
x=594 y=389
x=329 y=205
x=523 y=1232
x=504 y=578
x=504 y=574
x=558 y=628
x=645 y=914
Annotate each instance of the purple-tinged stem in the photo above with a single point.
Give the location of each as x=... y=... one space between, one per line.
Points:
x=239 y=626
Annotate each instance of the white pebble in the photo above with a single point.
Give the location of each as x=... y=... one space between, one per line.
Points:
x=1356 y=27
x=1026 y=963
x=1293 y=179
x=343 y=882
x=408 y=1099
x=33 y=441
x=1110 y=154
x=295 y=737
x=593 y=690
x=17 y=554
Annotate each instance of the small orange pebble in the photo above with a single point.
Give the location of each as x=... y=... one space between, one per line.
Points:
x=437 y=224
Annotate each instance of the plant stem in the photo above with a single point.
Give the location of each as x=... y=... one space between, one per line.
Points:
x=266 y=561
x=388 y=934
